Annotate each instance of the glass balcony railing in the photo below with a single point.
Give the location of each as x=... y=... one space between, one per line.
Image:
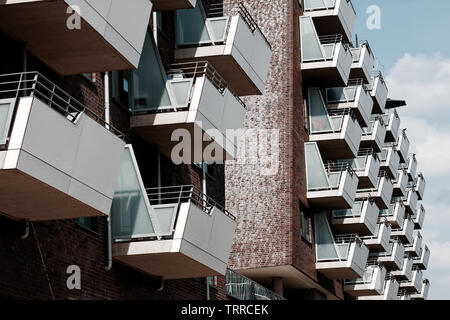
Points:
x=421 y=261
x=326 y=60
x=367 y=166
x=332 y=15
x=242 y=288
x=395 y=213
x=392 y=259
x=371 y=283
x=379 y=92
x=381 y=194
x=47 y=133
x=355 y=96
x=374 y=134
x=392 y=121
x=363 y=61
x=361 y=218
x=380 y=240
x=390 y=160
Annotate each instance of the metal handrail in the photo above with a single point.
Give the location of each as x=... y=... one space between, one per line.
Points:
x=185 y=193
x=196 y=69
x=33 y=83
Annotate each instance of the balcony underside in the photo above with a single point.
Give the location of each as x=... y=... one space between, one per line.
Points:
x=351 y=225
x=333 y=147
x=169 y=5
x=359 y=73
x=226 y=66
x=326 y=22
x=376 y=245
x=160 y=134
x=338 y=270
x=367 y=141
x=156 y=259
x=329 y=200
x=323 y=74
x=42 y=25
x=390 y=264
x=359 y=290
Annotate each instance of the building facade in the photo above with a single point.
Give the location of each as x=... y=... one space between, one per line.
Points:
x=201 y=150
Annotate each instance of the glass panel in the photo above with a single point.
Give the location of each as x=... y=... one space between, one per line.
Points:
x=329 y=50
x=150 y=90
x=316 y=175
x=336 y=94
x=360 y=163
x=311 y=47
x=166 y=216
x=356 y=54
x=325 y=247
x=191 y=26
x=319 y=4
x=5 y=120
x=334 y=178
x=181 y=90
x=343 y=250
x=355 y=211
x=130 y=216
x=337 y=122
x=219 y=27
x=318 y=114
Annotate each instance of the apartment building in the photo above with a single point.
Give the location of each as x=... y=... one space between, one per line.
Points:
x=121 y=147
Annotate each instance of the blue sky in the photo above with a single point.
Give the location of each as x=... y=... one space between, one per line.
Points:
x=413 y=48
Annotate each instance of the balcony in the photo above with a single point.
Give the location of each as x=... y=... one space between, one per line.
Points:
x=379 y=241
x=373 y=135
x=190 y=103
x=400 y=184
x=421 y=262
x=363 y=61
x=420 y=186
x=423 y=295
x=336 y=132
x=392 y=259
x=403 y=146
x=371 y=284
x=404 y=295
x=379 y=92
x=392 y=121
x=104 y=40
x=414 y=249
x=339 y=257
x=168 y=232
x=390 y=291
x=405 y=234
x=410 y=202
x=395 y=214
x=366 y=165
x=169 y=5
x=49 y=153
x=242 y=288
x=406 y=272
x=390 y=161
x=419 y=217
x=381 y=194
x=326 y=60
x=415 y=284
x=331 y=16
x=361 y=219
x=233 y=43
x=411 y=167
x=331 y=186
x=355 y=96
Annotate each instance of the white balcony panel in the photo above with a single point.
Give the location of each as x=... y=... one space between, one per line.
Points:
x=411 y=167
x=403 y=146
x=326 y=60
x=392 y=259
x=361 y=219
x=363 y=62
x=414 y=250
x=392 y=121
x=410 y=202
x=420 y=186
x=382 y=194
x=390 y=160
x=234 y=45
x=405 y=234
x=419 y=217
x=332 y=16
x=379 y=93
x=331 y=187
x=421 y=262
x=390 y=291
x=340 y=257
x=106 y=39
x=406 y=272
x=373 y=135
x=371 y=284
x=169 y=5
x=395 y=214
x=423 y=295
x=380 y=241
x=354 y=96
x=415 y=284
x=51 y=157
x=400 y=184
x=367 y=166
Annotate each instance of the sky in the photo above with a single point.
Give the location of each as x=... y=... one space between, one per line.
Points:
x=412 y=50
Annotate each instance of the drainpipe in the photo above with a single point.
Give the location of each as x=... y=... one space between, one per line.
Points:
x=155 y=27
x=108 y=266
x=27 y=230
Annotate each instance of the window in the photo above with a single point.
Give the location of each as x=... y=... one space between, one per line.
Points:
x=121 y=90
x=163 y=22
x=90 y=76
x=305 y=224
x=90 y=223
